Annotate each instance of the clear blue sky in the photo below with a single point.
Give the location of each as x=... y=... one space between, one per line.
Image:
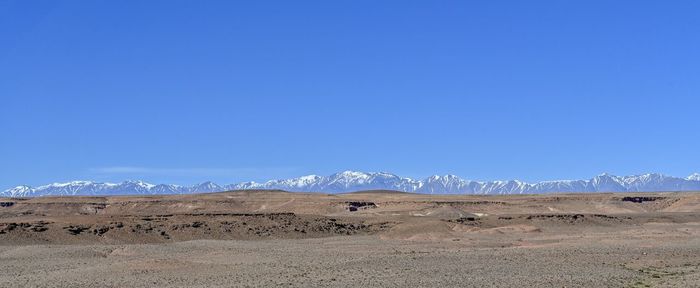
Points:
x=187 y=91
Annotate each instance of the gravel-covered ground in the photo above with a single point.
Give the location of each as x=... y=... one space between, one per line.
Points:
x=363 y=261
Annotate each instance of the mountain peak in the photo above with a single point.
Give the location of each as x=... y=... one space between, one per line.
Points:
x=694 y=177
x=18 y=191
x=350 y=173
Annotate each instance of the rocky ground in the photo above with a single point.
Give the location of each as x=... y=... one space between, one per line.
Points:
x=376 y=239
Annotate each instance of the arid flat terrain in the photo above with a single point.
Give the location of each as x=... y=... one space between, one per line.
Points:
x=371 y=239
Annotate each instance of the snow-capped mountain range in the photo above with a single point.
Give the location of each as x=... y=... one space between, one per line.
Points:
x=350 y=181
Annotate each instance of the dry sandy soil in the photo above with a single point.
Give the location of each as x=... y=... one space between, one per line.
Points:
x=374 y=239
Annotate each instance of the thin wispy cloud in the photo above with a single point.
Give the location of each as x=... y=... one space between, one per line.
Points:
x=190 y=172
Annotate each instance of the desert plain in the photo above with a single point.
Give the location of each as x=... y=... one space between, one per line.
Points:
x=363 y=239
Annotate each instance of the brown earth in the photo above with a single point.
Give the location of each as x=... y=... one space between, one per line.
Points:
x=374 y=238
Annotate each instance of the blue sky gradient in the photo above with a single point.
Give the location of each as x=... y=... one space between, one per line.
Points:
x=187 y=91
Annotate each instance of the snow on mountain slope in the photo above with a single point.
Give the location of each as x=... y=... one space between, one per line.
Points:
x=19 y=191
x=168 y=189
x=207 y=187
x=349 y=181
x=694 y=177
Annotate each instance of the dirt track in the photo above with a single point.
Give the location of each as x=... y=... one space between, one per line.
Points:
x=265 y=238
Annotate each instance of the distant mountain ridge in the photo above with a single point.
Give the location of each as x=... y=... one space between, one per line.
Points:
x=349 y=181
